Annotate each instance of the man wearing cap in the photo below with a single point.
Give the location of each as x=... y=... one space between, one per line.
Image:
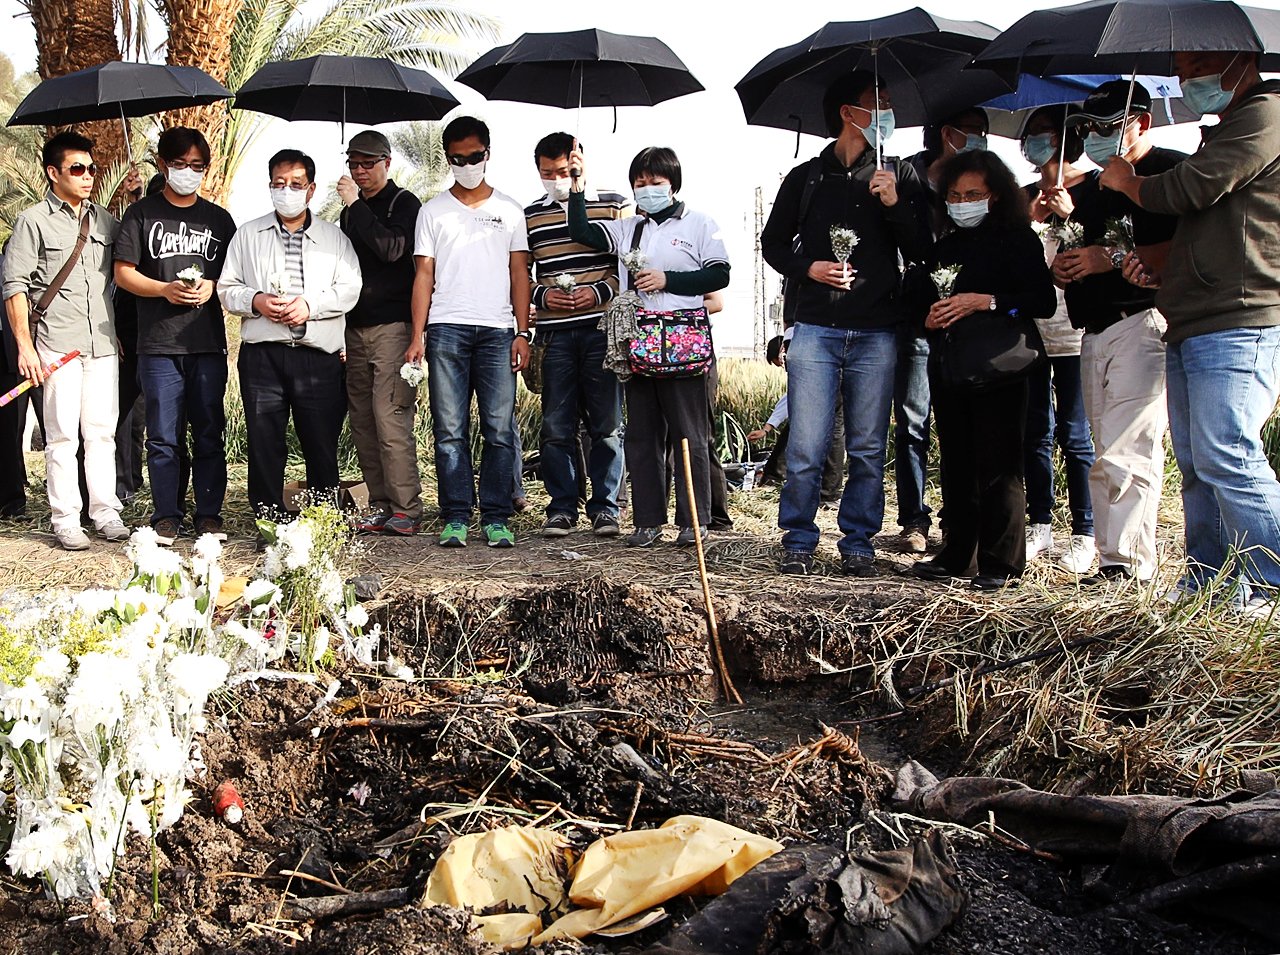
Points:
x=379 y=219
x=1221 y=293
x=1121 y=355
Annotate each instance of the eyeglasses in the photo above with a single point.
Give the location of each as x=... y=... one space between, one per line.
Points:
x=295 y=186
x=973 y=195
x=366 y=164
x=79 y=169
x=1103 y=129
x=179 y=165
x=472 y=160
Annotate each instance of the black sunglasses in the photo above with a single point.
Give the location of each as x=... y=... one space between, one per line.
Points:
x=79 y=169
x=472 y=160
x=365 y=164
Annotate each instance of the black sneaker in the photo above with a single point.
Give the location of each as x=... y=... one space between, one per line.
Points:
x=687 y=537
x=1108 y=574
x=606 y=525
x=796 y=563
x=644 y=537
x=858 y=565
x=992 y=582
x=167 y=531
x=931 y=570
x=558 y=525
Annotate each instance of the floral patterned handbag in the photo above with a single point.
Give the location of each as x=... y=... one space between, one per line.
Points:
x=674 y=344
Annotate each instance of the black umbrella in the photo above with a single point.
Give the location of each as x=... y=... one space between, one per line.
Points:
x=114 y=91
x=581 y=68
x=342 y=89
x=1130 y=36
x=917 y=56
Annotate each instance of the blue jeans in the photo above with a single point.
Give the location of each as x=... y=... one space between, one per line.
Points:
x=182 y=390
x=860 y=364
x=577 y=386
x=463 y=360
x=911 y=429
x=1222 y=387
x=1058 y=378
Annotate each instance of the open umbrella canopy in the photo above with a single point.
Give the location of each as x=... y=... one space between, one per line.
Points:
x=918 y=56
x=1130 y=35
x=345 y=89
x=581 y=68
x=1009 y=113
x=116 y=90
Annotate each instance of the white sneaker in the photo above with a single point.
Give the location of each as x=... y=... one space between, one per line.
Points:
x=1079 y=554
x=1261 y=607
x=114 y=530
x=1039 y=540
x=71 y=538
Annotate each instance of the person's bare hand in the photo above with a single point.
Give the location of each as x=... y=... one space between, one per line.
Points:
x=1117 y=174
x=416 y=351
x=1077 y=264
x=1136 y=272
x=836 y=274
x=577 y=183
x=950 y=310
x=348 y=191
x=1058 y=201
x=268 y=306
x=758 y=434
x=519 y=354
x=133 y=183
x=584 y=297
x=651 y=280
x=295 y=312
x=559 y=300
x=183 y=295
x=884 y=185
x=29 y=366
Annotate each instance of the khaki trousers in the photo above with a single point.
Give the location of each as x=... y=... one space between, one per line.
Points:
x=382 y=407
x=1122 y=370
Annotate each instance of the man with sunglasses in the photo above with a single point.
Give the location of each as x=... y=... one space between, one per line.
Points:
x=182 y=340
x=471 y=300
x=1121 y=354
x=81 y=401
x=1221 y=292
x=379 y=219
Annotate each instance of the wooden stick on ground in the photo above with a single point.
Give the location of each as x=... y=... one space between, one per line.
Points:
x=730 y=691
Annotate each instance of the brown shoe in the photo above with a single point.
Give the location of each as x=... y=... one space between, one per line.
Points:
x=211 y=526
x=915 y=540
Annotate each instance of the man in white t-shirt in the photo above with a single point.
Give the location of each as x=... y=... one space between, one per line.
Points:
x=471 y=298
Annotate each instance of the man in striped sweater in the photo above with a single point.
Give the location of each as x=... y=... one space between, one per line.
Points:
x=573 y=285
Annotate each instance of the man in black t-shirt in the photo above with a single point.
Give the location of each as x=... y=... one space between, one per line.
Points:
x=1122 y=364
x=170 y=253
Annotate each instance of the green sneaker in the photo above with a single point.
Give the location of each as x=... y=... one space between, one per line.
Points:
x=499 y=535
x=454 y=535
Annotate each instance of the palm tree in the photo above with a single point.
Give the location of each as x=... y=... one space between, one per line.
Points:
x=422 y=169
x=414 y=32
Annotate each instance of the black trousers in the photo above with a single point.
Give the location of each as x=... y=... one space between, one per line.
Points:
x=980 y=436
x=276 y=381
x=660 y=412
x=13 y=469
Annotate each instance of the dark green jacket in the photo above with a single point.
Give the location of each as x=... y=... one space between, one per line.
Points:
x=1224 y=264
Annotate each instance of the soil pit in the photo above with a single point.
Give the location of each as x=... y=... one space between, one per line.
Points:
x=590 y=706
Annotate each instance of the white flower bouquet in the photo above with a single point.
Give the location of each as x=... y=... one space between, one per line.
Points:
x=843 y=241
x=413 y=373
x=1070 y=235
x=191 y=276
x=944 y=279
x=633 y=260
x=565 y=282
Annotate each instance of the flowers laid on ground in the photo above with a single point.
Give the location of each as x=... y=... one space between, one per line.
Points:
x=843 y=241
x=191 y=276
x=413 y=373
x=103 y=693
x=944 y=279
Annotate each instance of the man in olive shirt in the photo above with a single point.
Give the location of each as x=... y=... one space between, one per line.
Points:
x=82 y=399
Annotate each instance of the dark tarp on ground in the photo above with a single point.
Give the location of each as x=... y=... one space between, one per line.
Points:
x=1220 y=856
x=826 y=900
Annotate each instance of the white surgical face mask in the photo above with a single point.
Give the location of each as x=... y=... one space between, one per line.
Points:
x=184 y=181
x=557 y=189
x=289 y=202
x=652 y=199
x=468 y=177
x=968 y=214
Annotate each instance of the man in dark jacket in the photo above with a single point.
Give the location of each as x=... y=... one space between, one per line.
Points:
x=848 y=313
x=379 y=220
x=1220 y=292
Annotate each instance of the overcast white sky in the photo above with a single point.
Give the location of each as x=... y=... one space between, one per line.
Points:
x=723 y=158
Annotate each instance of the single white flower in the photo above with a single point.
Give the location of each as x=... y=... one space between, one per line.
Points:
x=357 y=616
x=633 y=260
x=260 y=594
x=183 y=615
x=25 y=702
x=319 y=644
x=93 y=603
x=413 y=373
x=144 y=537
x=196 y=675
x=331 y=590
x=25 y=731
x=191 y=275
x=565 y=282
x=208 y=547
x=52 y=667
x=41 y=850
x=279 y=283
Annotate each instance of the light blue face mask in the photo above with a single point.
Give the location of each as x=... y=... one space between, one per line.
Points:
x=973 y=142
x=1039 y=149
x=652 y=199
x=881 y=122
x=1205 y=94
x=968 y=214
x=1101 y=148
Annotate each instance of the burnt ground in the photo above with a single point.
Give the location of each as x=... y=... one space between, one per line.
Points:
x=585 y=701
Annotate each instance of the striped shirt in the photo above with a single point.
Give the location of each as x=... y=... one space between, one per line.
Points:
x=293 y=285
x=554 y=253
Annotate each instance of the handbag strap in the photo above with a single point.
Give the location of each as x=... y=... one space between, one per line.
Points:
x=55 y=286
x=635 y=241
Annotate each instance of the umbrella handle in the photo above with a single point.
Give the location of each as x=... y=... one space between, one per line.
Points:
x=875 y=64
x=1128 y=102
x=799 y=122
x=1062 y=146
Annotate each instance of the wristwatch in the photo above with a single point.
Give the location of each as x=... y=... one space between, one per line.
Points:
x=992 y=306
x=1117 y=258
x=526 y=335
